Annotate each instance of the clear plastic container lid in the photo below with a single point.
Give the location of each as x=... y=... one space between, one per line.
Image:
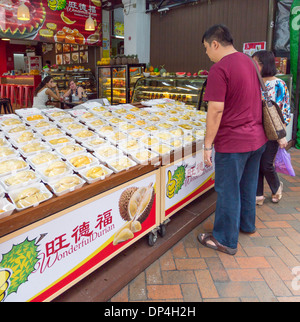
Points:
x=31 y=196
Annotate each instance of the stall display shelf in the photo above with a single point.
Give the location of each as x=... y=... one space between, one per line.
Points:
x=116 y=82
x=184 y=89
x=178 y=176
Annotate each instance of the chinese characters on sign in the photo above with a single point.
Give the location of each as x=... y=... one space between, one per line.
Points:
x=53 y=21
x=104 y=224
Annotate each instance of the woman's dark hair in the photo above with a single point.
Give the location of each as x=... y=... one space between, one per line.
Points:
x=71 y=80
x=220 y=33
x=46 y=80
x=267 y=60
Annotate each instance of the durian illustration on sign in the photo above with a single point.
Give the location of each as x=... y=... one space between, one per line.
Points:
x=16 y=266
x=57 y=4
x=135 y=205
x=175 y=181
x=4 y=282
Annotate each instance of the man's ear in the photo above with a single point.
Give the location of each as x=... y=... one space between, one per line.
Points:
x=215 y=44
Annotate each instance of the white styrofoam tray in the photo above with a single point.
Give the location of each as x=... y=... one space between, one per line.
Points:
x=13 y=194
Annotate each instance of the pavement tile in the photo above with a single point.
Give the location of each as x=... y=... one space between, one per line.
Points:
x=290 y=245
x=206 y=284
x=235 y=289
x=190 y=293
x=190 y=263
x=153 y=274
x=259 y=251
x=277 y=224
x=217 y=270
x=178 y=277
x=167 y=261
x=273 y=280
x=179 y=250
x=121 y=296
x=286 y=256
x=244 y=275
x=228 y=261
x=137 y=289
x=164 y=292
x=192 y=252
x=281 y=268
x=252 y=262
x=271 y=232
x=263 y=291
x=293 y=234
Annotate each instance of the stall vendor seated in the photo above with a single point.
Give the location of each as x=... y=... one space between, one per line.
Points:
x=74 y=91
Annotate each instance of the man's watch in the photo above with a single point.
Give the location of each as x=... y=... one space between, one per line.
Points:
x=207 y=149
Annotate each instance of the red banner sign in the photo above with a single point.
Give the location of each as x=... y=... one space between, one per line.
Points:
x=52 y=21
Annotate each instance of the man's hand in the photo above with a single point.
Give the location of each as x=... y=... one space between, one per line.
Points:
x=207 y=158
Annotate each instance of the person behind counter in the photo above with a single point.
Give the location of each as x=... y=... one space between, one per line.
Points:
x=44 y=91
x=74 y=90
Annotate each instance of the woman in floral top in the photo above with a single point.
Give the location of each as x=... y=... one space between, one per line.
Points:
x=279 y=93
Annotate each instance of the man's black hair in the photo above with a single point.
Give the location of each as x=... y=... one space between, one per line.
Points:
x=220 y=33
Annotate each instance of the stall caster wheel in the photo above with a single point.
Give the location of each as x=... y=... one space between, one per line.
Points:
x=152 y=238
x=162 y=230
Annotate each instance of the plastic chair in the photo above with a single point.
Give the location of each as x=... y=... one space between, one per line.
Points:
x=13 y=93
x=28 y=95
x=25 y=94
x=7 y=91
x=6 y=104
x=2 y=90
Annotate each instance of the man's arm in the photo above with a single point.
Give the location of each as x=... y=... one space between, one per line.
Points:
x=213 y=120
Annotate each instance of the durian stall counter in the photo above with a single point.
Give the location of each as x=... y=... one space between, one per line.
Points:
x=81 y=186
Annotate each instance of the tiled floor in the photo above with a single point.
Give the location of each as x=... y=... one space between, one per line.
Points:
x=261 y=271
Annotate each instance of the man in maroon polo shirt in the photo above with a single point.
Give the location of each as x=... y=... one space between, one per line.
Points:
x=234 y=126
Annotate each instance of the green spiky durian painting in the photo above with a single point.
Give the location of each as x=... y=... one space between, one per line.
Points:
x=16 y=266
x=175 y=181
x=179 y=176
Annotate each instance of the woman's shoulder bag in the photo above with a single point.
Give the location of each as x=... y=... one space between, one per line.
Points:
x=273 y=120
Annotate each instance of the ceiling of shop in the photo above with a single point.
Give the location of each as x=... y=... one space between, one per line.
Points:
x=151 y=5
x=111 y=4
x=161 y=4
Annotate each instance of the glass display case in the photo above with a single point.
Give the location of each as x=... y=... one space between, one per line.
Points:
x=116 y=82
x=186 y=89
x=85 y=79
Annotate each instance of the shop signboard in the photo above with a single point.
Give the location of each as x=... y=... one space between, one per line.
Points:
x=184 y=181
x=40 y=261
x=52 y=21
x=250 y=48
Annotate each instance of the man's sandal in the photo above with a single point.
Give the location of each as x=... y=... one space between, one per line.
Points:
x=209 y=241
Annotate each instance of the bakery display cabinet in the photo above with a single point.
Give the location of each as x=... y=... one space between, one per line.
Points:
x=186 y=89
x=85 y=79
x=116 y=83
